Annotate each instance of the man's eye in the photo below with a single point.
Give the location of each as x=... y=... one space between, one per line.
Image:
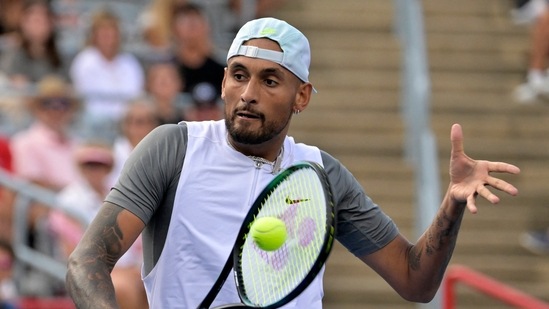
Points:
x=238 y=76
x=270 y=82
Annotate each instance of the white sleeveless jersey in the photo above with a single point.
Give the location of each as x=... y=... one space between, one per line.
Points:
x=216 y=188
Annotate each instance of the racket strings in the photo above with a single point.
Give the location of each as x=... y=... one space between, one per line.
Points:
x=299 y=201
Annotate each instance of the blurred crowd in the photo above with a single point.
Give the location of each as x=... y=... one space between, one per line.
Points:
x=81 y=83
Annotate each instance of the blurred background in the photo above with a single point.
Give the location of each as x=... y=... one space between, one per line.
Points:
x=392 y=77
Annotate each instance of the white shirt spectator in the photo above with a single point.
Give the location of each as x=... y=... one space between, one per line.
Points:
x=106 y=85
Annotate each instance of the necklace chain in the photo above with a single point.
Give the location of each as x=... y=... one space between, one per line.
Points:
x=260 y=161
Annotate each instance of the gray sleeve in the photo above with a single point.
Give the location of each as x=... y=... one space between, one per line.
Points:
x=362 y=227
x=147 y=185
x=151 y=171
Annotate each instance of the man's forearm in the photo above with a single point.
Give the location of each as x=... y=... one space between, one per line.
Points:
x=88 y=279
x=429 y=258
x=89 y=283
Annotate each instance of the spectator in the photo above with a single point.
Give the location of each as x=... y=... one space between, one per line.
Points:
x=36 y=54
x=225 y=17
x=105 y=76
x=537 y=83
x=205 y=104
x=140 y=118
x=41 y=152
x=163 y=87
x=194 y=50
x=525 y=12
x=156 y=30
x=85 y=196
x=536 y=13
x=8 y=290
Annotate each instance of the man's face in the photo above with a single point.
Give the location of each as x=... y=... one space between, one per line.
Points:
x=55 y=112
x=191 y=28
x=259 y=96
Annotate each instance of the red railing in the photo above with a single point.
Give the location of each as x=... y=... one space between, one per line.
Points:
x=457 y=273
x=45 y=303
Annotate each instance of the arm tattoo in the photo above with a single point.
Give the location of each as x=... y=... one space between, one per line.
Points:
x=90 y=283
x=112 y=237
x=108 y=243
x=442 y=236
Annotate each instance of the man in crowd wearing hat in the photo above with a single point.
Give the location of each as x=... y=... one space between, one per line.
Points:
x=42 y=154
x=205 y=104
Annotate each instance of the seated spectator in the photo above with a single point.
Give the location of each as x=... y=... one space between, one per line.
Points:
x=525 y=12
x=85 y=197
x=105 y=76
x=225 y=17
x=193 y=50
x=537 y=82
x=36 y=54
x=8 y=290
x=156 y=30
x=163 y=87
x=40 y=152
x=140 y=118
x=205 y=104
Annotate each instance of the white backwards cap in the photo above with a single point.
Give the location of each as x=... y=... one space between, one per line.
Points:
x=295 y=55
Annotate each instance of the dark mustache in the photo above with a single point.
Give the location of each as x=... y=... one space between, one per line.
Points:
x=250 y=110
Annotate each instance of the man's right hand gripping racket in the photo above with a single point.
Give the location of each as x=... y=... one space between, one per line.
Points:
x=301 y=197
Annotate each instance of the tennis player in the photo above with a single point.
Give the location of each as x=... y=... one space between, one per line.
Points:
x=188 y=186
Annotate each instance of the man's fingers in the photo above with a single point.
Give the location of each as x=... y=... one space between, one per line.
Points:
x=456 y=137
x=489 y=196
x=471 y=204
x=502 y=185
x=502 y=167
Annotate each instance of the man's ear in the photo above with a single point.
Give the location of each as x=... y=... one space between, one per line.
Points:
x=302 y=97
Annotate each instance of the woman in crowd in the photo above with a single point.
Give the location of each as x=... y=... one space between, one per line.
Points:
x=105 y=76
x=35 y=53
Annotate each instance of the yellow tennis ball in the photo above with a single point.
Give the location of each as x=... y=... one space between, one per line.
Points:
x=269 y=233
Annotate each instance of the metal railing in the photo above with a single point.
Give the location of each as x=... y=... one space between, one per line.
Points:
x=26 y=195
x=488 y=286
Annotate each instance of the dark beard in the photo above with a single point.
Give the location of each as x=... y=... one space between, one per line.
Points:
x=243 y=135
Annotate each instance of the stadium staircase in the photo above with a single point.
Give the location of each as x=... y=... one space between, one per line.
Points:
x=476 y=57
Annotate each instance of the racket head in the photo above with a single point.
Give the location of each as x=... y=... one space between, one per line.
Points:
x=301 y=197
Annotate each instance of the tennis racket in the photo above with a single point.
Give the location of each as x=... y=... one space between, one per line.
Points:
x=301 y=197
